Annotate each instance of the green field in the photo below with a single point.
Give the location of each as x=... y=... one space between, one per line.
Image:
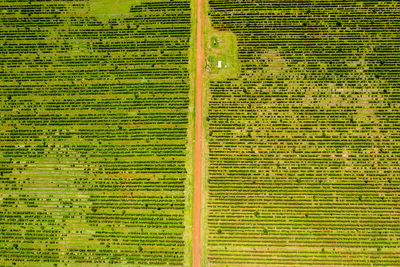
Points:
x=303 y=142
x=96 y=108
x=300 y=120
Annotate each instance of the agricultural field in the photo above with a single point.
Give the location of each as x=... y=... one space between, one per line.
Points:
x=303 y=133
x=96 y=118
x=199 y=133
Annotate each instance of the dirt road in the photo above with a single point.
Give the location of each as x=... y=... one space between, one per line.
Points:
x=197 y=248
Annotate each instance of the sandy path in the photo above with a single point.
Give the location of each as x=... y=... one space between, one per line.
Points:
x=197 y=248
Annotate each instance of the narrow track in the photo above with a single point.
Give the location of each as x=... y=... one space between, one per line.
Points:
x=197 y=248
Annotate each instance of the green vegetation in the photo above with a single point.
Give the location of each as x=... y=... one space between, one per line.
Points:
x=111 y=7
x=301 y=133
x=303 y=140
x=94 y=134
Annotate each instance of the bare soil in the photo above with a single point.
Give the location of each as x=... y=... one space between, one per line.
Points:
x=197 y=248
